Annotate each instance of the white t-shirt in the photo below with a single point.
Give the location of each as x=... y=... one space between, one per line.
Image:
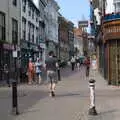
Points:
x=37 y=66
x=73 y=60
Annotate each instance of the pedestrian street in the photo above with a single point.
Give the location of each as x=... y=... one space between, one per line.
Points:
x=71 y=102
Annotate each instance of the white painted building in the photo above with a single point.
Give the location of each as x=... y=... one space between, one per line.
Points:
x=112 y=6
x=32 y=26
x=51 y=10
x=9 y=34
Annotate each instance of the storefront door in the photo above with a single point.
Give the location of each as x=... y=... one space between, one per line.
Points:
x=114 y=62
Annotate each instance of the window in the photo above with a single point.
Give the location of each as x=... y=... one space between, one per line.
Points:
x=32 y=13
x=29 y=10
x=36 y=17
x=37 y=36
x=23 y=28
x=2 y=26
x=29 y=31
x=14 y=31
x=15 y=2
x=24 y=5
x=32 y=28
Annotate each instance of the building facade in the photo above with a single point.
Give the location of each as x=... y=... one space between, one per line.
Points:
x=71 y=38
x=83 y=24
x=9 y=33
x=108 y=41
x=63 y=39
x=51 y=12
x=32 y=32
x=78 y=41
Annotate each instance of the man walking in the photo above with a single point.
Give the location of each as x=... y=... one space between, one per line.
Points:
x=87 y=63
x=73 y=62
x=51 y=67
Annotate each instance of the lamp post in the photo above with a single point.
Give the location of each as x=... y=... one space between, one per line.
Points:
x=14 y=84
x=59 y=61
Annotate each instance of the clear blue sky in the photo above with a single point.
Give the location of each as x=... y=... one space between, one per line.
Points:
x=74 y=10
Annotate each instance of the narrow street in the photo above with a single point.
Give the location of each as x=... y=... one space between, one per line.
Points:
x=71 y=101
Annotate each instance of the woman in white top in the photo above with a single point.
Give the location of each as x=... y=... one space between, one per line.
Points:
x=38 y=71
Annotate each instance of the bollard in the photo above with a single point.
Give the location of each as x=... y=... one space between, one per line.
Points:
x=59 y=78
x=92 y=110
x=14 y=98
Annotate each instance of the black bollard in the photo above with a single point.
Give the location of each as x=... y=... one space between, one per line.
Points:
x=59 y=77
x=92 y=109
x=14 y=98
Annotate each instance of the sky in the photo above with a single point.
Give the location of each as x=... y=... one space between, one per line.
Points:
x=74 y=10
x=36 y=2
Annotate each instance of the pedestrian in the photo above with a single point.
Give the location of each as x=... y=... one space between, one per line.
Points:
x=30 y=71
x=78 y=62
x=73 y=62
x=6 y=74
x=87 y=64
x=58 y=71
x=38 y=72
x=51 y=65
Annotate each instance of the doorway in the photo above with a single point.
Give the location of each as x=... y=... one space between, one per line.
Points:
x=114 y=62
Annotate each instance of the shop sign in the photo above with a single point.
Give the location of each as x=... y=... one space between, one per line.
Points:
x=8 y=46
x=15 y=54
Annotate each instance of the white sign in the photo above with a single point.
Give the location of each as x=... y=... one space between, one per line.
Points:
x=42 y=45
x=94 y=64
x=15 y=54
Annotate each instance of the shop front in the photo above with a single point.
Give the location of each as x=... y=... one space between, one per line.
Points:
x=28 y=50
x=6 y=59
x=111 y=35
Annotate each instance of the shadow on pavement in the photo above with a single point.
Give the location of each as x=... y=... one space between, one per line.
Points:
x=105 y=115
x=82 y=95
x=31 y=99
x=68 y=95
x=25 y=101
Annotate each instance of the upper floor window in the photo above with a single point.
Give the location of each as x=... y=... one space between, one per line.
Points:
x=2 y=26
x=32 y=13
x=32 y=33
x=24 y=5
x=14 y=31
x=24 y=28
x=15 y=2
x=29 y=9
x=37 y=36
x=29 y=26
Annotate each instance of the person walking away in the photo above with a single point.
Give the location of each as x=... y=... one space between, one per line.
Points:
x=87 y=63
x=51 y=67
x=38 y=71
x=58 y=71
x=30 y=71
x=78 y=63
x=73 y=62
x=6 y=74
